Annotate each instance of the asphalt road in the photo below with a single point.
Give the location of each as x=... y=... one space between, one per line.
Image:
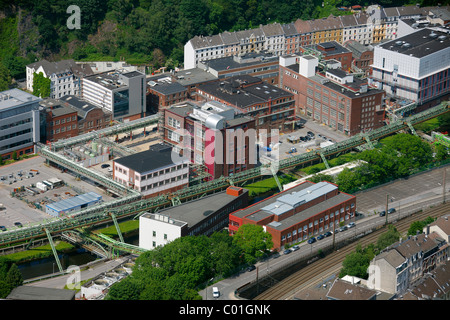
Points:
x=408 y=195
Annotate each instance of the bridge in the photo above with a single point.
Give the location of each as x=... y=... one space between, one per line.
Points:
x=131 y=205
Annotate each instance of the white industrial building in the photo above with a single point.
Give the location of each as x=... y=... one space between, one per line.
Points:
x=158 y=230
x=152 y=172
x=19 y=123
x=414 y=67
x=122 y=94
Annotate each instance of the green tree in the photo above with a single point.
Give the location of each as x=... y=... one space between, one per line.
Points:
x=127 y=289
x=5 y=78
x=389 y=237
x=253 y=241
x=356 y=264
x=41 y=85
x=14 y=276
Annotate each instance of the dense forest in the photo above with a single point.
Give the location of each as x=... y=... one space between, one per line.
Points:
x=149 y=32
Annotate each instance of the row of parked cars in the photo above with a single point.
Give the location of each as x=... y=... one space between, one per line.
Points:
x=383 y=213
x=329 y=233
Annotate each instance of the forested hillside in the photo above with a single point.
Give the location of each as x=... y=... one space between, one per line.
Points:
x=151 y=32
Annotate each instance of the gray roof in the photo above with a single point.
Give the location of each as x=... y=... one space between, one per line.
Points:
x=74 y=202
x=273 y=29
x=420 y=43
x=229 y=38
x=62 y=66
x=195 y=211
x=168 y=88
x=81 y=106
x=40 y=293
x=159 y=156
x=289 y=29
x=199 y=42
x=56 y=107
x=16 y=97
x=356 y=48
x=289 y=201
x=393 y=257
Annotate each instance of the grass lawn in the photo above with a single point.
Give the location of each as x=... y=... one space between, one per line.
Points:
x=428 y=126
x=267 y=185
x=125 y=227
x=39 y=252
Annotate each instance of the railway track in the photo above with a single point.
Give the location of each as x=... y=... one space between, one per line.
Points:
x=311 y=274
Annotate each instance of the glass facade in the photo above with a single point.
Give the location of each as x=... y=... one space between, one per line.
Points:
x=121 y=103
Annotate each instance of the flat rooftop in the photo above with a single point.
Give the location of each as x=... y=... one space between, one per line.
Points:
x=244 y=91
x=159 y=156
x=256 y=208
x=74 y=202
x=15 y=97
x=259 y=210
x=196 y=210
x=420 y=43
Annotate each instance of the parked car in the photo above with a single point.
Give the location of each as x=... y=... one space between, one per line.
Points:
x=351 y=225
x=295 y=248
x=287 y=251
x=391 y=210
x=312 y=240
x=216 y=292
x=327 y=234
x=105 y=165
x=382 y=213
x=18 y=224
x=343 y=228
x=3 y=228
x=251 y=268
x=320 y=237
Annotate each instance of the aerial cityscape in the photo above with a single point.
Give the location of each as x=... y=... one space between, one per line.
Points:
x=241 y=152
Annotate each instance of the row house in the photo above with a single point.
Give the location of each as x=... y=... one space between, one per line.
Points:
x=373 y=25
x=405 y=262
x=65 y=75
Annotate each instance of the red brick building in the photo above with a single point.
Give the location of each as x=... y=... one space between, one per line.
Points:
x=332 y=97
x=163 y=94
x=271 y=107
x=61 y=120
x=214 y=133
x=298 y=213
x=330 y=50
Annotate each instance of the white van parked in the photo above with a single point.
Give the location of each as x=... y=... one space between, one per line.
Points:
x=216 y=292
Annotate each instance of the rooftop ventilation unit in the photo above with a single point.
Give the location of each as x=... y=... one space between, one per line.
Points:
x=433 y=35
x=441 y=38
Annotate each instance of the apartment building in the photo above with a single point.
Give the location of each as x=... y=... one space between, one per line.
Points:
x=414 y=68
x=371 y=26
x=211 y=136
x=153 y=172
x=66 y=76
x=332 y=97
x=121 y=94
x=19 y=123
x=405 y=262
x=298 y=213
x=271 y=107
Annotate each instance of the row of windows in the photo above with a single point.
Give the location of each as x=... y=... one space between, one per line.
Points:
x=63 y=121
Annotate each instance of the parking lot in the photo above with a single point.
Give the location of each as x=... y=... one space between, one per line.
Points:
x=16 y=210
x=312 y=136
